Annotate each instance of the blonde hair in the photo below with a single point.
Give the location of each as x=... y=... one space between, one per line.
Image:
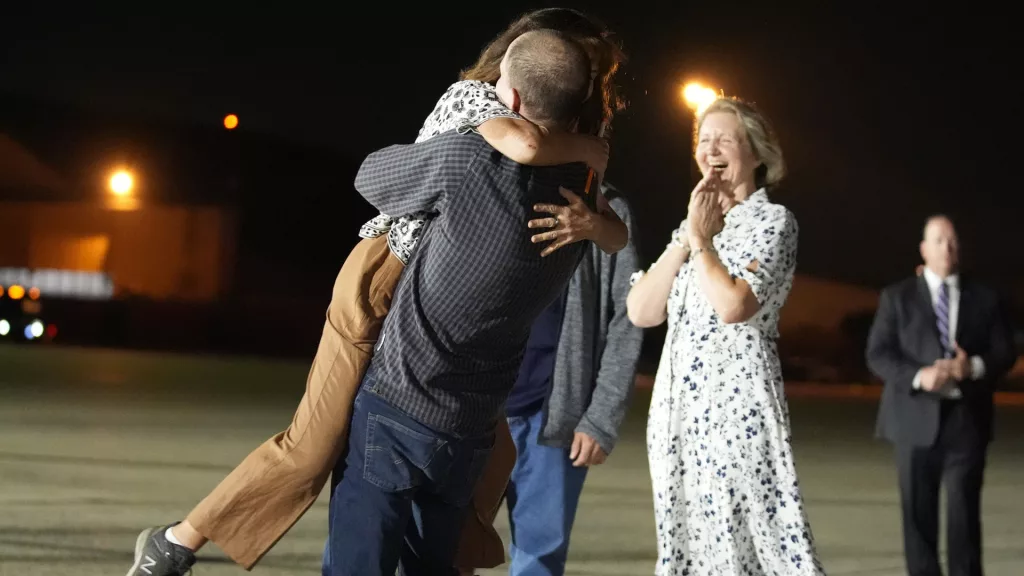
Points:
x=759 y=134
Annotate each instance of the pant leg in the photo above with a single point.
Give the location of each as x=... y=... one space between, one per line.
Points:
x=440 y=511
x=964 y=451
x=920 y=474
x=258 y=502
x=371 y=505
x=409 y=487
x=543 y=495
x=480 y=545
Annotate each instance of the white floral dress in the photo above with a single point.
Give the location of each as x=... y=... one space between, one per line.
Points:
x=464 y=106
x=726 y=496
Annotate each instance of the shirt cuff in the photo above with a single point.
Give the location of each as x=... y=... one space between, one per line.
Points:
x=917 y=380
x=635 y=277
x=679 y=239
x=977 y=368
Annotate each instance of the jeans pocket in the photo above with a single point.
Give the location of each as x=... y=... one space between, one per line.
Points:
x=396 y=455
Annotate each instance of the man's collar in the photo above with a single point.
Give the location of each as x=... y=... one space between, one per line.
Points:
x=933 y=280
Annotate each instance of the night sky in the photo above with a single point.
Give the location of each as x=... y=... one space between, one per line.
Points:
x=886 y=113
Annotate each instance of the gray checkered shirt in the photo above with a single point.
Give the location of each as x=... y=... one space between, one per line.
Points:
x=451 y=346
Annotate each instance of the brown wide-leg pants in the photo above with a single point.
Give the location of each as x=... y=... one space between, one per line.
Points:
x=258 y=502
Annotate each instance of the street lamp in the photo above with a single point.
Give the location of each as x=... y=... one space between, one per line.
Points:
x=122 y=191
x=698 y=97
x=121 y=183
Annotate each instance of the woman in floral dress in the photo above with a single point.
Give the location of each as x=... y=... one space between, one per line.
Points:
x=727 y=501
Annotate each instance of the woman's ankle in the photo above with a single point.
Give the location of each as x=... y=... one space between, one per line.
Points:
x=189 y=537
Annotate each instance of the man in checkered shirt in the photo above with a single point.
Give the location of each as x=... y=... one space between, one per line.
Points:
x=453 y=341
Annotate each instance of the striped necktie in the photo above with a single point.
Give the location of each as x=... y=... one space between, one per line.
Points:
x=942 y=319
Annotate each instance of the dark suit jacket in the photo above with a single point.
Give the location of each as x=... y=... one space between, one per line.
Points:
x=904 y=339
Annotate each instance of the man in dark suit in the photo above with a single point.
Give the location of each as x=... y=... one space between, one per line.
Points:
x=940 y=342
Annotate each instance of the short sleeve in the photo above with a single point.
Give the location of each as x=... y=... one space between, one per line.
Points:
x=464 y=106
x=772 y=243
x=678 y=238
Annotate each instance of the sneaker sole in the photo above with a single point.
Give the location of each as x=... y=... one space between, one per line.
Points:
x=140 y=543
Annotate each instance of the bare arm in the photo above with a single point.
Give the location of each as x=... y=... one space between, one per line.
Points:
x=468 y=104
x=647 y=302
x=610 y=233
x=732 y=298
x=526 y=143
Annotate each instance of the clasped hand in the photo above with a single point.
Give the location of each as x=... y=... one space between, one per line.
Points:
x=704 y=213
x=946 y=370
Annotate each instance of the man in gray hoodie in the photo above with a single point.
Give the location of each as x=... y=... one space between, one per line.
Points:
x=566 y=406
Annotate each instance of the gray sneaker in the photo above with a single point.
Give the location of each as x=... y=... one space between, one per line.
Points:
x=156 y=556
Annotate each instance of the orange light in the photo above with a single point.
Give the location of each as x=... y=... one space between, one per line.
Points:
x=33 y=293
x=121 y=183
x=16 y=292
x=698 y=97
x=1 y=291
x=231 y=121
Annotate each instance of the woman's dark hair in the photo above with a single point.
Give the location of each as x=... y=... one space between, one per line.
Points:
x=594 y=36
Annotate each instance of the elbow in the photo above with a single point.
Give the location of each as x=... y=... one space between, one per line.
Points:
x=1002 y=368
x=871 y=352
x=733 y=316
x=362 y=182
x=871 y=362
x=645 y=320
x=527 y=139
x=366 y=168
x=617 y=235
x=611 y=242
x=874 y=355
x=738 y=312
x=643 y=317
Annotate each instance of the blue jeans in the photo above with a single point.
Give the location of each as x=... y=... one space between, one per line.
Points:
x=542 y=498
x=401 y=493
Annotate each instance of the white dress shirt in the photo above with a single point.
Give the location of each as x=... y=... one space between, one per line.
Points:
x=953 y=286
